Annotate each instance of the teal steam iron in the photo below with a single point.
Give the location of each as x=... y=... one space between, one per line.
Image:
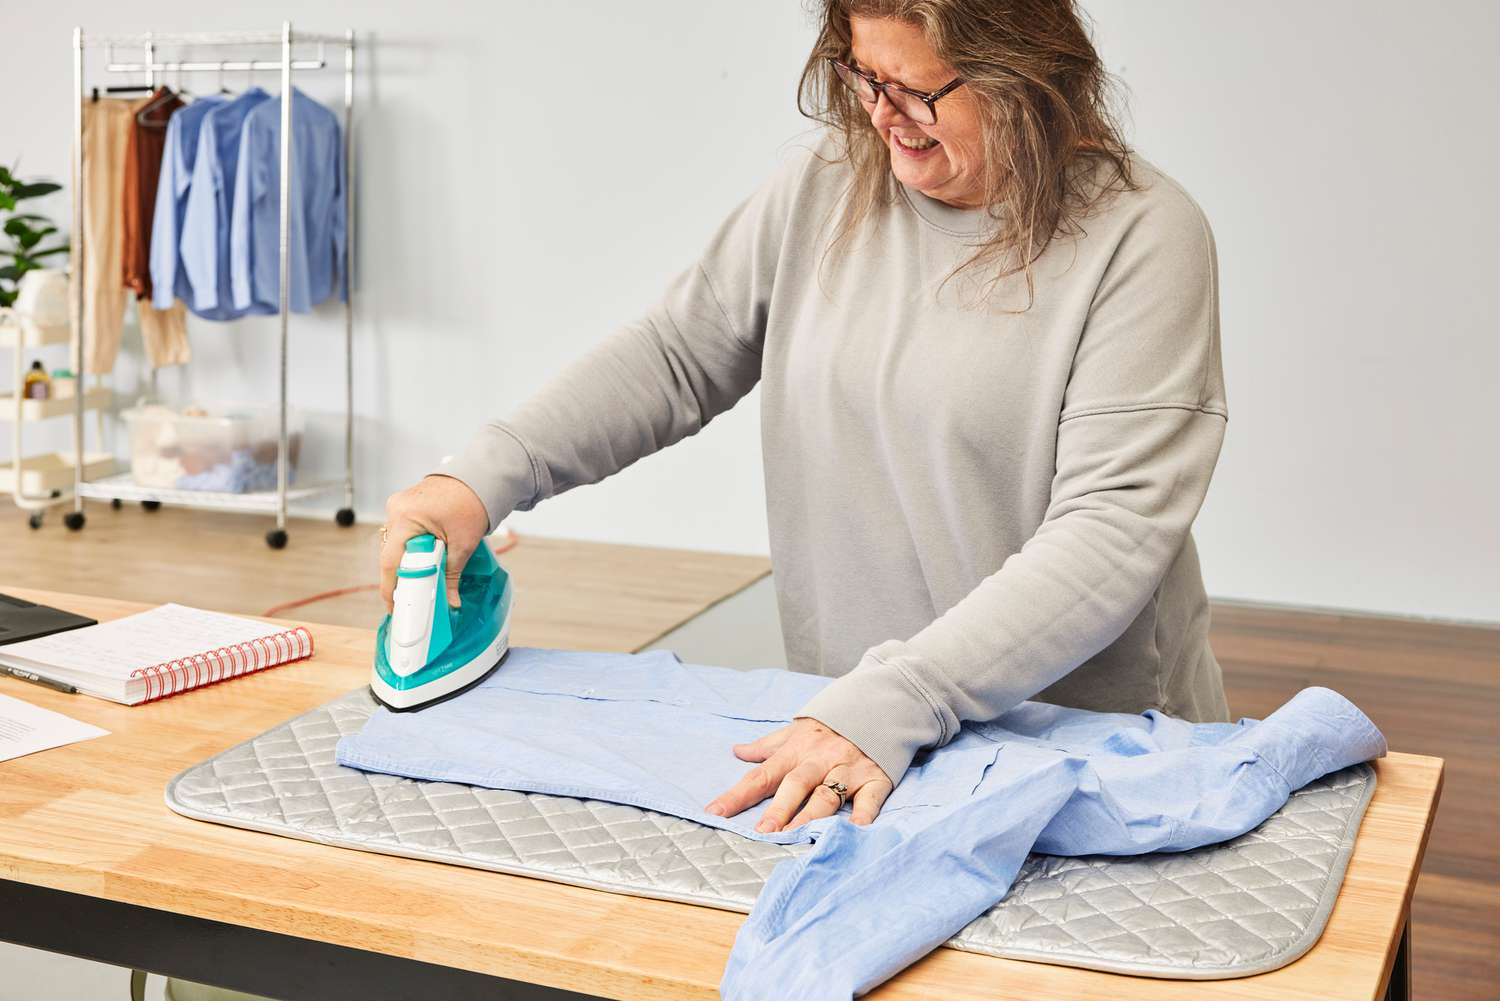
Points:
x=427 y=652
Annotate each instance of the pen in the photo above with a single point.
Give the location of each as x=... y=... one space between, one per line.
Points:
x=37 y=679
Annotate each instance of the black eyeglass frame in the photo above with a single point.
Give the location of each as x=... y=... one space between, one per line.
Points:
x=879 y=87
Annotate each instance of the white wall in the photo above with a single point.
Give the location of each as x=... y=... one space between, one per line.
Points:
x=532 y=175
x=1344 y=153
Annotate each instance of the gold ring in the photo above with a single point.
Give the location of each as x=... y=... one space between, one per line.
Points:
x=383 y=531
x=840 y=790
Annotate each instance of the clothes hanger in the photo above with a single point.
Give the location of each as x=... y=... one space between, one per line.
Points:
x=145 y=116
x=182 y=92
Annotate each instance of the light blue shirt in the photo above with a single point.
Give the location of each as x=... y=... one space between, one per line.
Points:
x=651 y=731
x=169 y=281
x=317 y=208
x=205 y=225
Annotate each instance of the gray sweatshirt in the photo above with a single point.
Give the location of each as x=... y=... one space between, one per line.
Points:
x=966 y=508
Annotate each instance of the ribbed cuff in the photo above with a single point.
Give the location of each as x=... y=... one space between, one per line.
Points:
x=500 y=470
x=877 y=708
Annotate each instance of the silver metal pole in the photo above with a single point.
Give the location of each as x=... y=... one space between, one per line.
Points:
x=80 y=389
x=201 y=66
x=142 y=305
x=349 y=269
x=286 y=256
x=197 y=38
x=20 y=400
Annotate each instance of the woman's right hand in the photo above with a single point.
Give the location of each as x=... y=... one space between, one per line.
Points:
x=436 y=504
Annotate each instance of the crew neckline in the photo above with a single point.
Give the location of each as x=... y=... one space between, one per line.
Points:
x=941 y=215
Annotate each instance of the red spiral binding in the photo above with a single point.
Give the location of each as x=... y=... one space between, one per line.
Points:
x=186 y=673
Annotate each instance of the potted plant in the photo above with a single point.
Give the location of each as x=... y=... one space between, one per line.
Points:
x=27 y=231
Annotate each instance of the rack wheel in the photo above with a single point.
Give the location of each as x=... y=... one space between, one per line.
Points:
x=115 y=503
x=345 y=517
x=151 y=505
x=34 y=519
x=74 y=520
x=276 y=538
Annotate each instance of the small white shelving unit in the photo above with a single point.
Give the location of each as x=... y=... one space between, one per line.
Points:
x=40 y=481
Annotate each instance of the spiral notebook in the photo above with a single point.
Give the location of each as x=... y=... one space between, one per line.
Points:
x=156 y=653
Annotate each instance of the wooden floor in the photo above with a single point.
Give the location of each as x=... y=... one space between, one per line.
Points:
x=1432 y=688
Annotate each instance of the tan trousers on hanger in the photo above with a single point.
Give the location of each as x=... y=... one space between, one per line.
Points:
x=106 y=130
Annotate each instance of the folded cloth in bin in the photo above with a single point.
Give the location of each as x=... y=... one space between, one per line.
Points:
x=865 y=902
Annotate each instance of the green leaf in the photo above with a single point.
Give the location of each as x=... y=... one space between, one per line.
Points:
x=35 y=189
x=26 y=231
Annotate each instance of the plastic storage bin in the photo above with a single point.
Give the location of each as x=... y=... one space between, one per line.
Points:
x=234 y=452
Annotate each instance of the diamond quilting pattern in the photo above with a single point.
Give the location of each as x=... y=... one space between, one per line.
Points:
x=1246 y=906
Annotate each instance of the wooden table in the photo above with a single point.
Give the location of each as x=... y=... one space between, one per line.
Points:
x=93 y=863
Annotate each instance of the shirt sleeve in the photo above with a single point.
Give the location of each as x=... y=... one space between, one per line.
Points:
x=341 y=210
x=249 y=187
x=200 y=221
x=1139 y=433
x=163 y=255
x=653 y=382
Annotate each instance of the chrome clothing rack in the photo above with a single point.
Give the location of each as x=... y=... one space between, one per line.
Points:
x=118 y=488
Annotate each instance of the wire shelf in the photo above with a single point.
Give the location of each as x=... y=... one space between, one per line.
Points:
x=123 y=487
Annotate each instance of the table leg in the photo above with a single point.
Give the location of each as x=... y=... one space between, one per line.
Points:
x=1398 y=988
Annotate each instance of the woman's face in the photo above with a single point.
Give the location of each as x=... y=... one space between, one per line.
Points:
x=895 y=52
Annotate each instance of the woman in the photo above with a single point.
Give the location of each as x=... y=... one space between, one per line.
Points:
x=986 y=335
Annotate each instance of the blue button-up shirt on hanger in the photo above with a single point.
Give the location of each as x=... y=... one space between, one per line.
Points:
x=205 y=226
x=318 y=206
x=865 y=902
x=169 y=282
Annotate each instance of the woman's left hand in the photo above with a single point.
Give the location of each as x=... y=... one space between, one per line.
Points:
x=795 y=761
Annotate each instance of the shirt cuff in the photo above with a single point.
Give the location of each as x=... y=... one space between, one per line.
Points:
x=879 y=709
x=501 y=471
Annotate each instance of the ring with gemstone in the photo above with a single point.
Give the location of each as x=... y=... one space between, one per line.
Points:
x=840 y=790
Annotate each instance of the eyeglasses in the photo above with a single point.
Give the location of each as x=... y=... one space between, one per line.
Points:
x=914 y=104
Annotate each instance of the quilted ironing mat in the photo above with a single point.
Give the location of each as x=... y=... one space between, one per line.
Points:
x=1230 y=910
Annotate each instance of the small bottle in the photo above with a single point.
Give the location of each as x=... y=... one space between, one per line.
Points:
x=37 y=383
x=63 y=384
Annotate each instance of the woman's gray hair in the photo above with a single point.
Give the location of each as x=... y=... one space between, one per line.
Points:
x=1051 y=147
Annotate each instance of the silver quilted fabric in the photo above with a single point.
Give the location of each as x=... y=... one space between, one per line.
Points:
x=1243 y=907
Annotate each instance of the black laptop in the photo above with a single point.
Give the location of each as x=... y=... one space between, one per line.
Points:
x=24 y=620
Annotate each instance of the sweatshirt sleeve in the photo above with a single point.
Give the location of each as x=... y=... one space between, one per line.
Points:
x=653 y=382
x=1139 y=433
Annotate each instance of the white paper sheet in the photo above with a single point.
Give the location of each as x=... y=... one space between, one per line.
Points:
x=25 y=728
